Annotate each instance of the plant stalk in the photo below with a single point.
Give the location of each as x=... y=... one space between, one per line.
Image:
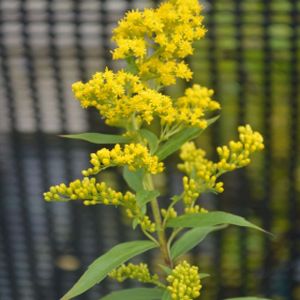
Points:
x=148 y=184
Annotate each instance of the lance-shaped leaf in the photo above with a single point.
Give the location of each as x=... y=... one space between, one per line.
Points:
x=134 y=179
x=98 y=138
x=191 y=239
x=103 y=265
x=136 y=294
x=178 y=139
x=210 y=219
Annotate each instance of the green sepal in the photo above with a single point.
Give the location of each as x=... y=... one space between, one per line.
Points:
x=98 y=138
x=103 y=265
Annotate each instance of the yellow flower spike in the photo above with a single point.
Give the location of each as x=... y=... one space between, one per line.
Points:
x=184 y=282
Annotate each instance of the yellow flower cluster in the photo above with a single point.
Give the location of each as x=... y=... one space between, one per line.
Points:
x=237 y=154
x=191 y=108
x=203 y=173
x=196 y=209
x=160 y=39
x=184 y=282
x=134 y=156
x=169 y=214
x=120 y=96
x=138 y=272
x=91 y=192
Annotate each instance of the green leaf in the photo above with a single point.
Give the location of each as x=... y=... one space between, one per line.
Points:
x=210 y=219
x=247 y=298
x=134 y=179
x=166 y=269
x=143 y=196
x=166 y=295
x=191 y=239
x=136 y=294
x=135 y=223
x=98 y=138
x=131 y=65
x=151 y=138
x=203 y=275
x=99 y=269
x=178 y=139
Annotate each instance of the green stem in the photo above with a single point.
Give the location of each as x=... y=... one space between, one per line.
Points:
x=149 y=236
x=173 y=235
x=148 y=184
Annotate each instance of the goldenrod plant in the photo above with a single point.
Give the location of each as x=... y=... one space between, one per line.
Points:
x=154 y=44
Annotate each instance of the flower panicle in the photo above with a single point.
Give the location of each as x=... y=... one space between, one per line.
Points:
x=202 y=174
x=159 y=39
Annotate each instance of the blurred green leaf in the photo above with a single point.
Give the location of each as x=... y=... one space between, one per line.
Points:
x=166 y=269
x=203 y=275
x=99 y=269
x=166 y=295
x=98 y=138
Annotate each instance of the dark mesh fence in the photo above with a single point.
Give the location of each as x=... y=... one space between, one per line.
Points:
x=250 y=57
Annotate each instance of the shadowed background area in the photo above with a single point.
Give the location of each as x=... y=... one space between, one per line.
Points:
x=250 y=57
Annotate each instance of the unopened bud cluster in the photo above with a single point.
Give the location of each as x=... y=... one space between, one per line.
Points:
x=138 y=272
x=184 y=282
x=203 y=173
x=237 y=154
x=91 y=192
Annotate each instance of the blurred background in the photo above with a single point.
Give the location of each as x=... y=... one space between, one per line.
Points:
x=250 y=57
